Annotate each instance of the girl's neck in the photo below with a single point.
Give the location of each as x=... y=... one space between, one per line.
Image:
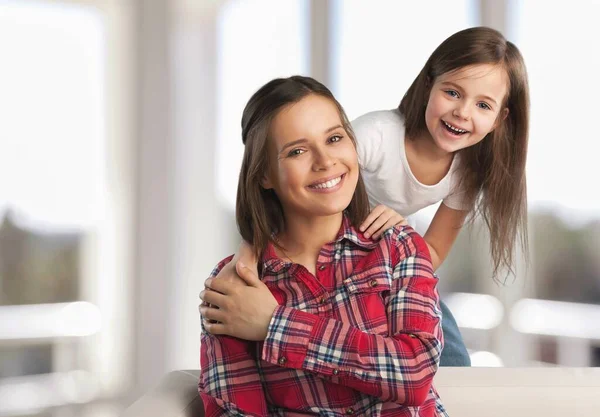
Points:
x=428 y=163
x=424 y=145
x=304 y=237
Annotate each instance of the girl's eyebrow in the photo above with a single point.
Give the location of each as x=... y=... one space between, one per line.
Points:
x=304 y=140
x=458 y=87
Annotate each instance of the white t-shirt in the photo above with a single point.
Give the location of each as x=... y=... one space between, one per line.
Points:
x=385 y=170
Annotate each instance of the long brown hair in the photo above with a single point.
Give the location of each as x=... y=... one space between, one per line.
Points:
x=492 y=171
x=259 y=213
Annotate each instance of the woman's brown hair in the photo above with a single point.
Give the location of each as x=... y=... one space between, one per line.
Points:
x=259 y=213
x=492 y=171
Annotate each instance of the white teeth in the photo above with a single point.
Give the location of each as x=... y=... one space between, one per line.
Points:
x=453 y=128
x=328 y=184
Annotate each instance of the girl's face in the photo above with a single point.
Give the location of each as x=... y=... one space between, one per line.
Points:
x=465 y=105
x=313 y=165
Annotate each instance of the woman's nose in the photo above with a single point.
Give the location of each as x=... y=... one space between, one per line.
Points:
x=323 y=161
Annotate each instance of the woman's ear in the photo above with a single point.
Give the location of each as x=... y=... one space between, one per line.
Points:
x=266 y=182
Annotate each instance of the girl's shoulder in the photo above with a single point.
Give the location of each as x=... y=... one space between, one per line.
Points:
x=380 y=119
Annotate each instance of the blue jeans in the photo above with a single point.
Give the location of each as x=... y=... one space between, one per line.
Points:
x=454 y=352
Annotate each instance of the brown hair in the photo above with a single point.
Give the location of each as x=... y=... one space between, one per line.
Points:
x=259 y=213
x=493 y=170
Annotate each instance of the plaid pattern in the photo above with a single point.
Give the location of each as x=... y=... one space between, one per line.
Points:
x=361 y=338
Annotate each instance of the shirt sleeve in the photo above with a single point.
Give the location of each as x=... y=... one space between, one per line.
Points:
x=457 y=199
x=368 y=142
x=398 y=367
x=229 y=384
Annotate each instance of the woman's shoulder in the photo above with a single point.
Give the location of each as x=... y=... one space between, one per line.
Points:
x=220 y=266
x=404 y=241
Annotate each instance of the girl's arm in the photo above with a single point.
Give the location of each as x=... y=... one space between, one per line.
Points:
x=442 y=232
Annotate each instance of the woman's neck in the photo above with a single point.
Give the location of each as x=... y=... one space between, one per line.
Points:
x=304 y=237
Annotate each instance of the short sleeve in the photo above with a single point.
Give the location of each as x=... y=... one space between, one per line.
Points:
x=368 y=142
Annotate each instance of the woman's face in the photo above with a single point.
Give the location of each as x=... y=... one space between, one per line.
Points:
x=313 y=165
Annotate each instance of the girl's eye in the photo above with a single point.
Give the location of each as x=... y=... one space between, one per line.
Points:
x=484 y=106
x=296 y=152
x=452 y=93
x=335 y=138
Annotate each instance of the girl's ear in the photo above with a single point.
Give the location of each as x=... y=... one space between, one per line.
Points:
x=501 y=117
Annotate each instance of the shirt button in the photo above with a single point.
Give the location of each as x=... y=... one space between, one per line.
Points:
x=373 y=283
x=322 y=300
x=282 y=360
x=412 y=335
x=336 y=371
x=350 y=411
x=322 y=267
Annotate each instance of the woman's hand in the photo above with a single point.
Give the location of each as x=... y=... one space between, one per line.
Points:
x=245 y=255
x=239 y=308
x=379 y=220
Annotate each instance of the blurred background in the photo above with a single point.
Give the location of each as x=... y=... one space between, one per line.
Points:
x=119 y=154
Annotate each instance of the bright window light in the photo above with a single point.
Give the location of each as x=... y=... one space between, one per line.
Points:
x=257 y=41
x=52 y=111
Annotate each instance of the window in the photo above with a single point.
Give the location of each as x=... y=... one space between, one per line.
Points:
x=257 y=41
x=380 y=46
x=63 y=215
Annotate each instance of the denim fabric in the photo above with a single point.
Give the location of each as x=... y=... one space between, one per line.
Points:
x=454 y=352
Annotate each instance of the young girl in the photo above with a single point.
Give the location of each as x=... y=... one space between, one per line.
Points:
x=459 y=136
x=339 y=324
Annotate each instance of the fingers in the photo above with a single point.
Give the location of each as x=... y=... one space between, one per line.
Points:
x=247 y=274
x=391 y=222
x=373 y=215
x=214 y=328
x=213 y=298
x=377 y=225
x=395 y=220
x=224 y=286
x=213 y=314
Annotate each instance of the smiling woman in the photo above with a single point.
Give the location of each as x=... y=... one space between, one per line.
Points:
x=332 y=310
x=318 y=174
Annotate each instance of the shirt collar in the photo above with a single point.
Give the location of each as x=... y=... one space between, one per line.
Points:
x=347 y=232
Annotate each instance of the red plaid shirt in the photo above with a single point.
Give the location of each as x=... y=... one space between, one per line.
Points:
x=362 y=338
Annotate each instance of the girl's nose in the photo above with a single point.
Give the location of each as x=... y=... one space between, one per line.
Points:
x=462 y=113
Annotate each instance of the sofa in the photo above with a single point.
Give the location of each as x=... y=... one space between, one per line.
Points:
x=466 y=392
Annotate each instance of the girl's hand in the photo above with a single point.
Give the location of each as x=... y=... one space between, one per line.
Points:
x=237 y=308
x=379 y=220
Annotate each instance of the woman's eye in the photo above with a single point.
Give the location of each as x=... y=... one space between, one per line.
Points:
x=484 y=106
x=335 y=138
x=296 y=152
x=452 y=93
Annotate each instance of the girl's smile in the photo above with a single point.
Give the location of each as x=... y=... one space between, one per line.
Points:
x=465 y=105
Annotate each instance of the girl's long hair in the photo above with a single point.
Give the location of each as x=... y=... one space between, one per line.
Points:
x=492 y=172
